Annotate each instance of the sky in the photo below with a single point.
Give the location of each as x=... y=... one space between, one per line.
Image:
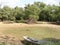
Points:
x=22 y=3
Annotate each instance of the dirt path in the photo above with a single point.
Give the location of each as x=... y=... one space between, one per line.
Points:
x=18 y=25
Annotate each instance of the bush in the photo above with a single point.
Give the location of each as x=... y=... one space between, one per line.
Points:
x=19 y=21
x=51 y=43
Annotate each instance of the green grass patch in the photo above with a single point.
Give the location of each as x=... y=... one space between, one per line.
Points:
x=36 y=32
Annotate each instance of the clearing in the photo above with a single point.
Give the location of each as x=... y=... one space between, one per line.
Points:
x=38 y=31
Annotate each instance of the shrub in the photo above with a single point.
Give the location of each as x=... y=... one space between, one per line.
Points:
x=19 y=21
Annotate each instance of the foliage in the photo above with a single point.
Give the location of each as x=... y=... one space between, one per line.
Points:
x=37 y=11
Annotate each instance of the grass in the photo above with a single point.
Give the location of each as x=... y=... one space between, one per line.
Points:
x=40 y=31
x=36 y=32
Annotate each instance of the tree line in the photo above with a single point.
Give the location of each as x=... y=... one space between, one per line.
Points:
x=38 y=11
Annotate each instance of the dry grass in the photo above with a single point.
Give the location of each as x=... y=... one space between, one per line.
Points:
x=34 y=30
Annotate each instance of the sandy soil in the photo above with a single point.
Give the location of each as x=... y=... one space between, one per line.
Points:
x=19 y=25
x=14 y=25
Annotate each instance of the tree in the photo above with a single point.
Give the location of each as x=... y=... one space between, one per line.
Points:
x=32 y=11
x=19 y=13
x=5 y=12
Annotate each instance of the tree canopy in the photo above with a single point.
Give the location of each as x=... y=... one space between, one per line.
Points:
x=37 y=11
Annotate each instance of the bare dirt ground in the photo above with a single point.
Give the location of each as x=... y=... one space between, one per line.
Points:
x=19 y=25
x=14 y=25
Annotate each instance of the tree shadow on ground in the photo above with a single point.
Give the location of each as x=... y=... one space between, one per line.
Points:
x=49 y=41
x=52 y=39
x=55 y=23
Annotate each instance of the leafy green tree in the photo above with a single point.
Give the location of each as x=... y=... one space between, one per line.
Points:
x=33 y=10
x=36 y=11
